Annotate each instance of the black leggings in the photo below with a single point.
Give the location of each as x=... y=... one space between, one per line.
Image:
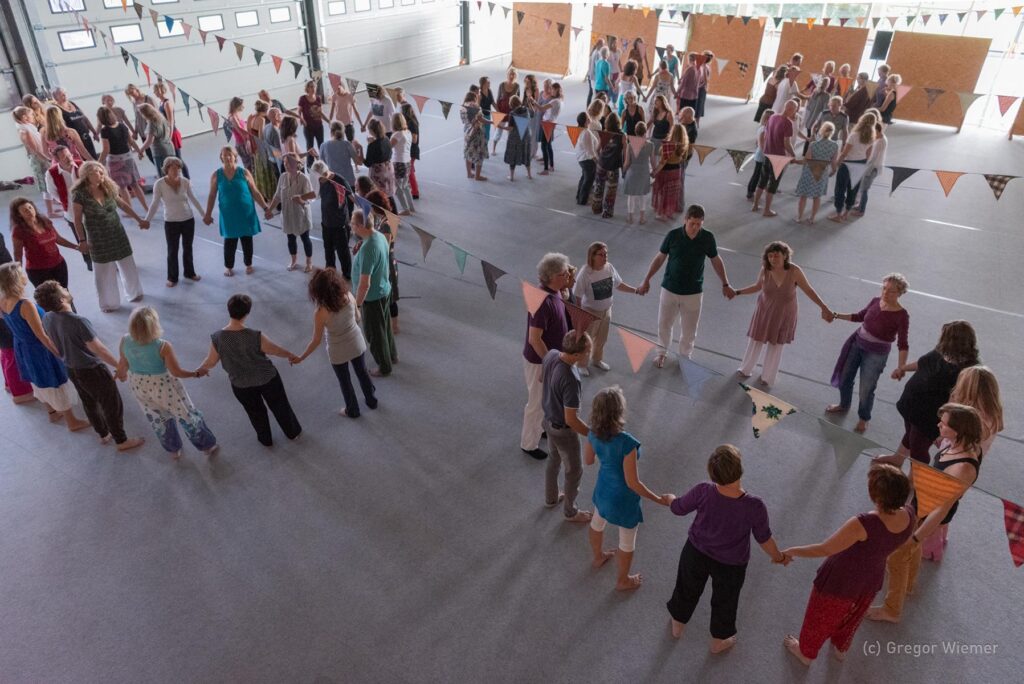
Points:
x=313 y=134
x=336 y=243
x=755 y=178
x=546 y=150
x=38 y=276
x=307 y=245
x=231 y=245
x=182 y=232
x=348 y=391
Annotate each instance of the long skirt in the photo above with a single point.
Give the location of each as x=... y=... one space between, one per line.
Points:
x=122 y=170
x=668 y=186
x=266 y=174
x=166 y=404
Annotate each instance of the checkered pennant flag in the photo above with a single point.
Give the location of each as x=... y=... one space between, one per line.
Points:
x=742 y=66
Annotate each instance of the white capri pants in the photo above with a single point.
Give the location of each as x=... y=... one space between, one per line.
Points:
x=770 y=365
x=637 y=203
x=627 y=537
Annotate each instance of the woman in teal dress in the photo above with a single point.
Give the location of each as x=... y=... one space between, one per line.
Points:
x=235 y=191
x=618 y=489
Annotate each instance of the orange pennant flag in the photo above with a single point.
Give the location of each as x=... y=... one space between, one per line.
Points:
x=637 y=348
x=574 y=133
x=702 y=152
x=1005 y=102
x=549 y=129
x=497 y=117
x=278 y=61
x=779 y=163
x=844 y=84
x=810 y=22
x=533 y=296
x=901 y=91
x=646 y=11
x=948 y=179
x=1016 y=9
x=934 y=488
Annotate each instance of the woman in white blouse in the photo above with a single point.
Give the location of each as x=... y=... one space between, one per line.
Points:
x=174 y=191
x=595 y=286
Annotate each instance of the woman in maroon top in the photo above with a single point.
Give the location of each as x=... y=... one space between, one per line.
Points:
x=311 y=114
x=35 y=237
x=852 y=574
x=883 y=321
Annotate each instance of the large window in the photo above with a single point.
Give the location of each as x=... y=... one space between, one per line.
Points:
x=211 y=22
x=385 y=4
x=176 y=29
x=362 y=5
x=335 y=8
x=112 y=4
x=279 y=15
x=61 y=6
x=76 y=40
x=408 y=2
x=126 y=33
x=162 y=2
x=246 y=19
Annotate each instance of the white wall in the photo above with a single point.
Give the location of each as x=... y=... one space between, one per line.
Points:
x=490 y=35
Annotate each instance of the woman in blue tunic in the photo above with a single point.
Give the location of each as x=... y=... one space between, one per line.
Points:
x=37 y=358
x=235 y=190
x=618 y=489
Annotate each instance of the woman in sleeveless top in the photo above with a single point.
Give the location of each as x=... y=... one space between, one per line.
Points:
x=771 y=90
x=337 y=314
x=668 y=174
x=664 y=84
x=55 y=134
x=235 y=191
x=774 y=319
x=35 y=355
x=75 y=119
x=888 y=105
x=118 y=153
x=628 y=83
x=638 y=167
x=32 y=141
x=152 y=370
x=660 y=122
x=960 y=457
x=853 y=573
x=632 y=114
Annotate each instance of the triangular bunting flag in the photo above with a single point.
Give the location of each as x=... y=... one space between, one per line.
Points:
x=615 y=7
x=135 y=63
x=942 y=19
x=661 y=51
x=842 y=21
x=185 y=101
x=702 y=152
x=997 y=183
x=426 y=239
x=729 y=18
x=892 y=22
x=239 y=49
x=278 y=61
x=738 y=157
x=778 y=21
x=1013 y=518
x=580 y=318
x=576 y=31
x=900 y=174
x=910 y=20
x=353 y=86
x=490 y=7
x=932 y=94
x=547 y=24
x=124 y=56
x=925 y=18
x=519 y=16
x=174 y=89
x=549 y=129
x=420 y=101
x=901 y=91
x=856 y=172
x=169 y=23
x=745 y=20
x=561 y=29
x=1016 y=9
x=637 y=348
x=817 y=167
x=646 y=10
x=742 y=66
x=860 y=21
x=872 y=88
x=491 y=275
x=364 y=205
x=373 y=90
x=826 y=21
x=506 y=10
x=138 y=9
x=573 y=132
x=766 y=71
x=339 y=189
x=874 y=21
x=721 y=62
x=966 y=100
x=202 y=34
x=960 y=16
x=393 y=220
x=335 y=81
x=220 y=42
x=187 y=28
x=844 y=84
x=445 y=107
x=934 y=488
x=497 y=117
x=522 y=124
x=1005 y=102
x=124 y=5
x=810 y=22
x=768 y=410
x=296 y=68
x=779 y=163
x=155 y=16
x=460 y=258
x=981 y=13
x=199 y=110
x=258 y=54
x=686 y=15
x=214 y=119
x=762 y=21
x=948 y=179
x=392 y=93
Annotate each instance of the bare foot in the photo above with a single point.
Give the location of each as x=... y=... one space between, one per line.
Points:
x=212 y=451
x=23 y=398
x=861 y=426
x=55 y=416
x=171 y=283
x=642 y=220
x=105 y=439
x=308 y=268
x=739 y=372
x=768 y=213
x=176 y=455
x=837 y=654
x=602 y=559
x=880 y=614
x=633 y=582
x=659 y=361
x=580 y=517
x=761 y=381
x=510 y=179
x=792 y=645
x=836 y=408
x=249 y=270
x=74 y=424
x=375 y=372
x=195 y=278
x=131 y=444
x=856 y=213
x=229 y=272
x=722 y=645
x=481 y=178
x=293 y=265
x=677 y=627
x=836 y=218
x=469 y=175
x=755 y=209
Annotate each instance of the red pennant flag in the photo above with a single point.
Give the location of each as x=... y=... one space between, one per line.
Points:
x=1013 y=516
x=1005 y=102
x=187 y=28
x=214 y=119
x=574 y=133
x=278 y=61
x=335 y=80
x=547 y=24
x=202 y=34
x=421 y=100
x=549 y=129
x=220 y=42
x=637 y=348
x=533 y=296
x=145 y=67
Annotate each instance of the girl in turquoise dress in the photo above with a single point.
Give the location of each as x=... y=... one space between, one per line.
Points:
x=235 y=190
x=618 y=489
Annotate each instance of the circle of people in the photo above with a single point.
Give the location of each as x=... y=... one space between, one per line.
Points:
x=52 y=354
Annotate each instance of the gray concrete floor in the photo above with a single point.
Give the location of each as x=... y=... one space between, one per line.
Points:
x=412 y=544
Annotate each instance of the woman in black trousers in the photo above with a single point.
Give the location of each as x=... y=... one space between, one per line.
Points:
x=254 y=380
x=174 y=191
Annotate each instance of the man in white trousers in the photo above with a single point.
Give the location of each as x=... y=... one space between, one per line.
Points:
x=682 y=286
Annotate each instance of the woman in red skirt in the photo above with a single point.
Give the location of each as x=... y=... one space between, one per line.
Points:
x=668 y=175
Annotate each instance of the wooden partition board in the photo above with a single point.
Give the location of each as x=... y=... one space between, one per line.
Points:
x=840 y=44
x=629 y=24
x=732 y=41
x=925 y=60
x=1018 y=123
x=536 y=47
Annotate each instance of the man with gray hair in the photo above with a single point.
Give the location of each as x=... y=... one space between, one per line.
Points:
x=545 y=330
x=561 y=399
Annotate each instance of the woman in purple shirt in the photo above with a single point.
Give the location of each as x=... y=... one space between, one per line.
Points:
x=718 y=546
x=883 y=321
x=852 y=574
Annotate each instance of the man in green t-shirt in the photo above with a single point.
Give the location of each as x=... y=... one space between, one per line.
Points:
x=682 y=286
x=371 y=277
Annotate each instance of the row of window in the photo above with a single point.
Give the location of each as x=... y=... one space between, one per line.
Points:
x=334 y=7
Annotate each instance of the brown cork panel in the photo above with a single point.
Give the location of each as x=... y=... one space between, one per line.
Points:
x=630 y=24
x=534 y=46
x=841 y=44
x=1018 y=124
x=951 y=63
x=732 y=41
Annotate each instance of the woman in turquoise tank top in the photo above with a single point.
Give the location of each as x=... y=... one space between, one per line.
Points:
x=152 y=370
x=235 y=190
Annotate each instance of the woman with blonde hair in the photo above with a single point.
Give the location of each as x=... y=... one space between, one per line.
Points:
x=813 y=183
x=32 y=141
x=852 y=161
x=618 y=489
x=38 y=110
x=118 y=155
x=401 y=148
x=668 y=174
x=507 y=89
x=888 y=104
x=95 y=201
x=55 y=134
x=264 y=166
x=977 y=387
x=158 y=136
x=595 y=287
x=37 y=358
x=151 y=367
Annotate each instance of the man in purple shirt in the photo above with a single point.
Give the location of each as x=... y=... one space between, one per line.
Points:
x=545 y=330
x=778 y=136
x=718 y=546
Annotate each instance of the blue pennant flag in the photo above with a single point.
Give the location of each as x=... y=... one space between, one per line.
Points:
x=522 y=125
